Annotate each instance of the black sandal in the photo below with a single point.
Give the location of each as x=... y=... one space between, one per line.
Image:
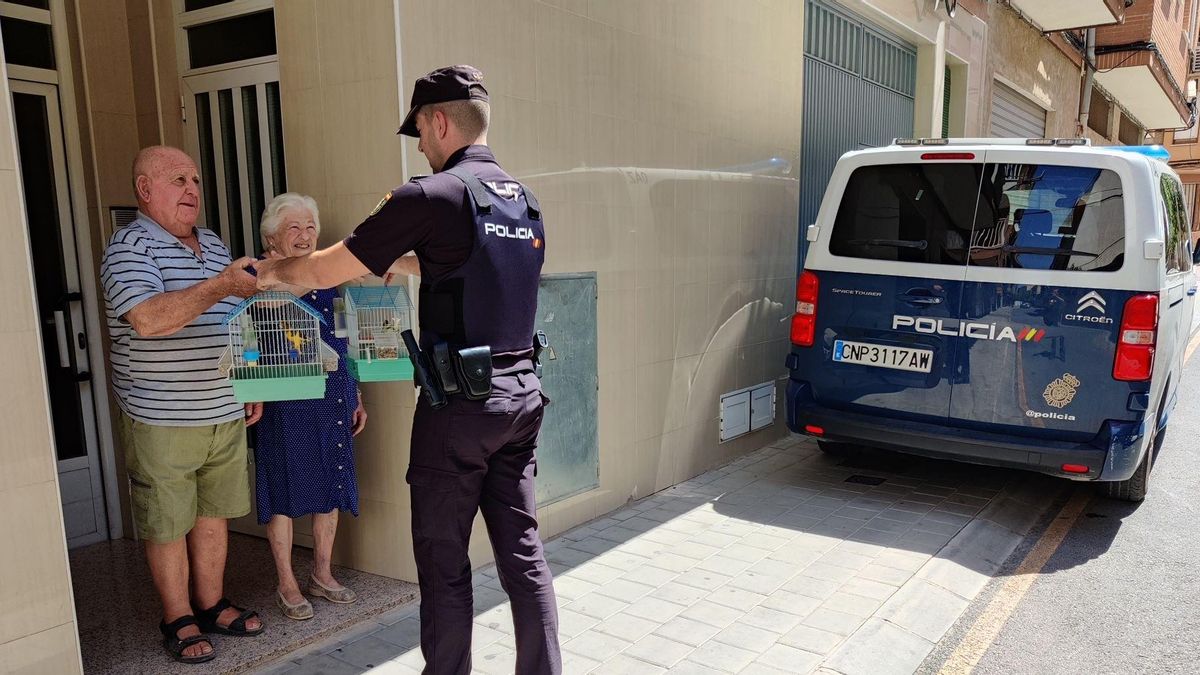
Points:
x=175 y=644
x=208 y=620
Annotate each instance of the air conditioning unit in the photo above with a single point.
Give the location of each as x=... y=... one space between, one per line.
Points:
x=120 y=216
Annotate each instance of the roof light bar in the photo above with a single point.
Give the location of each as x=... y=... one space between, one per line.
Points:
x=921 y=141
x=1058 y=141
x=1045 y=142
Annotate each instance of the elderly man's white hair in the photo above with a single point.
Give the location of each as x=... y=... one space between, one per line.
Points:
x=273 y=214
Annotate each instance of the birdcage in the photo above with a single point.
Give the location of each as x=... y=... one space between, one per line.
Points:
x=374 y=316
x=275 y=350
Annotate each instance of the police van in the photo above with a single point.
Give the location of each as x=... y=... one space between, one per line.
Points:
x=1011 y=302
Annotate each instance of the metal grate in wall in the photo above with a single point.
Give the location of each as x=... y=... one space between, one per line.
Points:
x=859 y=84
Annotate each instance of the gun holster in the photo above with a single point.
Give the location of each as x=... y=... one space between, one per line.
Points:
x=540 y=343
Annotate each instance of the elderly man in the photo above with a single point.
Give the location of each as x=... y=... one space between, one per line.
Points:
x=167 y=285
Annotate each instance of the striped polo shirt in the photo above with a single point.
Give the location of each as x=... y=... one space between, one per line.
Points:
x=171 y=380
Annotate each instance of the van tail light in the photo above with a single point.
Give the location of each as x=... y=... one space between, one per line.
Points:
x=1135 y=346
x=804 y=321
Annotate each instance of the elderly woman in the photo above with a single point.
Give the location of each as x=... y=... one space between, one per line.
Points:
x=303 y=458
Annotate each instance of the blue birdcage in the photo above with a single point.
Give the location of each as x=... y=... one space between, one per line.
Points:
x=275 y=350
x=374 y=317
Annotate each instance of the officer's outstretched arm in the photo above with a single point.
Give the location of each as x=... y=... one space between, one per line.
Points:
x=322 y=269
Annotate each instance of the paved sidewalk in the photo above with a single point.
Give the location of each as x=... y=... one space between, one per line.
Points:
x=785 y=561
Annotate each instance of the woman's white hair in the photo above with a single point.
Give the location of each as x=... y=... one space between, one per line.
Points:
x=272 y=215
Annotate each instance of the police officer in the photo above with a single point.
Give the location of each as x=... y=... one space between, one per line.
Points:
x=479 y=245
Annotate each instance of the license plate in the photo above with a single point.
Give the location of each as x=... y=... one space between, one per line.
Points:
x=880 y=356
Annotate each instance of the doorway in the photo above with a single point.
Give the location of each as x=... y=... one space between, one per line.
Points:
x=56 y=268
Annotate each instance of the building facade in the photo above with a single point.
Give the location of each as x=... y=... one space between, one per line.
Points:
x=677 y=149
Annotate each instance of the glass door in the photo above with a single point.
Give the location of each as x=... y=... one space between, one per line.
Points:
x=56 y=268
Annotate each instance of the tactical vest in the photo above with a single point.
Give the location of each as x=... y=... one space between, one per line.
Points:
x=492 y=298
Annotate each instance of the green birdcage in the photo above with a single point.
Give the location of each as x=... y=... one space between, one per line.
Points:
x=275 y=350
x=374 y=317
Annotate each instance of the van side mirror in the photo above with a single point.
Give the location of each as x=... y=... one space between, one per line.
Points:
x=1154 y=249
x=812 y=233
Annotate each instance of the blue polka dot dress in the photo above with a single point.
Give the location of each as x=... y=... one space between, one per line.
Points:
x=304 y=461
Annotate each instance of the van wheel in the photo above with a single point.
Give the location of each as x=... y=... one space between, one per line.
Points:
x=1135 y=487
x=834 y=448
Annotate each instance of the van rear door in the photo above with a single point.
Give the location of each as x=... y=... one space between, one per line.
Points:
x=1049 y=273
x=890 y=264
x=1179 y=292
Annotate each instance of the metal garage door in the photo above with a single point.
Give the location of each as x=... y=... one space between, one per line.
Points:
x=859 y=84
x=1014 y=115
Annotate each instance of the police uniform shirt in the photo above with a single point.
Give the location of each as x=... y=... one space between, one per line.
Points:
x=431 y=215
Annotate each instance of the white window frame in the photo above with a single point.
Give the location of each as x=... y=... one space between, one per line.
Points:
x=33 y=15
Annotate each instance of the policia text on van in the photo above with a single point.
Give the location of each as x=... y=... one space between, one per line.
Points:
x=999 y=301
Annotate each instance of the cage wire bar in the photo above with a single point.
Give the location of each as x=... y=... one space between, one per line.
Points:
x=275 y=349
x=374 y=318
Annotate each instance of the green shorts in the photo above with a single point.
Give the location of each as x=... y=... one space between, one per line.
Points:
x=179 y=473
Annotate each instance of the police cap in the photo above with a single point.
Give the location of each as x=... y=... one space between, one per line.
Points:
x=452 y=83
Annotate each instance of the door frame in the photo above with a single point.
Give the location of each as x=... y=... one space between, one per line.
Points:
x=64 y=78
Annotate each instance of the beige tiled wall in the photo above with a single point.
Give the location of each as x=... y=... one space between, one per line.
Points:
x=166 y=76
x=37 y=628
x=112 y=95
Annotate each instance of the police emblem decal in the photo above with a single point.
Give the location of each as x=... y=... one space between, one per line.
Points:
x=1061 y=392
x=379 y=206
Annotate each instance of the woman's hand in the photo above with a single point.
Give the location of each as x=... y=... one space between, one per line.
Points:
x=359 y=418
x=254 y=413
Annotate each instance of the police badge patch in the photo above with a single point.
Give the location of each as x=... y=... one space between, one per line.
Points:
x=1061 y=392
x=379 y=206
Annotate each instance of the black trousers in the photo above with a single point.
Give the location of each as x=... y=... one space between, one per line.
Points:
x=479 y=455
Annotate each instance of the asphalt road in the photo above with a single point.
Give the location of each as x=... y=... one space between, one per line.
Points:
x=1121 y=594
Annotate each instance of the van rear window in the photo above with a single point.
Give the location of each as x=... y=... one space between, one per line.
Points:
x=1030 y=216
x=1048 y=217
x=919 y=213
